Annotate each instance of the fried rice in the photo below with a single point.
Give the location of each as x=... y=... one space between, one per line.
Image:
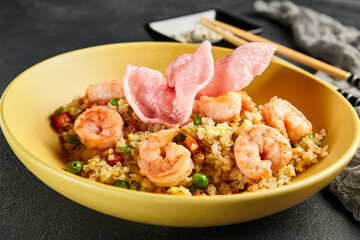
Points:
x=216 y=159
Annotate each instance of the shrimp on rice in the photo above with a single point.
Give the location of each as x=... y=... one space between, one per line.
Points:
x=162 y=161
x=225 y=107
x=103 y=92
x=99 y=127
x=260 y=151
x=286 y=118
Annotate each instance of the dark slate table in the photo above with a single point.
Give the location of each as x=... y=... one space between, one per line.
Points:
x=32 y=31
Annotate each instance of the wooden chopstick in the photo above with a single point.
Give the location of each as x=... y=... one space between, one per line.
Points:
x=284 y=51
x=230 y=37
x=238 y=41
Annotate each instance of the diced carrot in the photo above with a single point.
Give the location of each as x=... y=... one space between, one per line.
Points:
x=191 y=144
x=62 y=120
x=116 y=158
x=199 y=193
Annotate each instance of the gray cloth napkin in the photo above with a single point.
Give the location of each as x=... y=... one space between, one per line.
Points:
x=326 y=38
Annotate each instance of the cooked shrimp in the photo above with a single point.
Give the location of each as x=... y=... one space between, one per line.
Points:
x=225 y=107
x=99 y=127
x=260 y=151
x=103 y=92
x=164 y=162
x=287 y=119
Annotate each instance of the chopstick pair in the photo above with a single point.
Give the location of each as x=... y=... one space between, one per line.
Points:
x=237 y=37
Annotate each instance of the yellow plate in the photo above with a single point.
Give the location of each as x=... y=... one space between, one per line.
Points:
x=33 y=96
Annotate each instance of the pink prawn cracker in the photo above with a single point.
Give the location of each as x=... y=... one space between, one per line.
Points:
x=156 y=99
x=169 y=100
x=235 y=71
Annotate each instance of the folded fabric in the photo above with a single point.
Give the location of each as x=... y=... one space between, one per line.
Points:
x=326 y=38
x=318 y=34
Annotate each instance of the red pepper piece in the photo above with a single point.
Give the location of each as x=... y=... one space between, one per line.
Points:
x=117 y=158
x=62 y=120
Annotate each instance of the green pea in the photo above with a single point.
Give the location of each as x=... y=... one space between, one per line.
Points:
x=197 y=119
x=134 y=186
x=114 y=101
x=59 y=111
x=200 y=180
x=73 y=140
x=125 y=149
x=193 y=188
x=74 y=167
x=310 y=135
x=121 y=184
x=179 y=138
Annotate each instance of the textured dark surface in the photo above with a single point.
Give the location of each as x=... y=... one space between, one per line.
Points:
x=32 y=31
